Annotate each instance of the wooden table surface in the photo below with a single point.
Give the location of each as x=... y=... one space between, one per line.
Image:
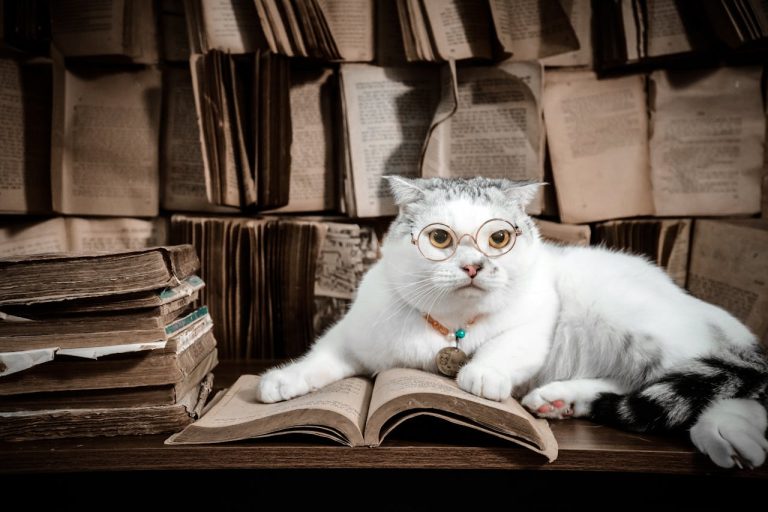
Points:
x=583 y=446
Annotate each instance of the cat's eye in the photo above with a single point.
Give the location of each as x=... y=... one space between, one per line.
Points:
x=440 y=238
x=499 y=239
x=438 y=242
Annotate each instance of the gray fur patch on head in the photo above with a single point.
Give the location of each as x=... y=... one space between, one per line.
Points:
x=416 y=195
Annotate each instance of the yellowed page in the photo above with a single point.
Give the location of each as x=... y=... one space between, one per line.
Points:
x=707 y=141
x=401 y=382
x=729 y=262
x=532 y=29
x=597 y=136
x=348 y=398
x=397 y=382
x=94 y=27
x=388 y=111
x=91 y=235
x=25 y=238
x=579 y=14
x=313 y=174
x=25 y=131
x=665 y=32
x=351 y=24
x=183 y=173
x=567 y=234
x=459 y=28
x=109 y=145
x=230 y=25
x=497 y=129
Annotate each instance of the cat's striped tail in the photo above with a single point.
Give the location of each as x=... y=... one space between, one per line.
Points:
x=677 y=399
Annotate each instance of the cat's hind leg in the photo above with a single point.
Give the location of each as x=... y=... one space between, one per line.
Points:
x=732 y=432
x=568 y=398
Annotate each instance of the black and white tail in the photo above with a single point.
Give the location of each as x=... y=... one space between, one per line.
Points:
x=721 y=399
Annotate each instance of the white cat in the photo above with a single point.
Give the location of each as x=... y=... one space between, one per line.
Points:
x=583 y=332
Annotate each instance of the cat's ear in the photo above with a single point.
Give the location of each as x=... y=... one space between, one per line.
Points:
x=522 y=192
x=404 y=190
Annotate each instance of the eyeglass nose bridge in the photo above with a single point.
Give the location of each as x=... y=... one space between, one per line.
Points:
x=471 y=237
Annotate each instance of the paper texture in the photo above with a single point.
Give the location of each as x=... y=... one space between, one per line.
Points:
x=579 y=14
x=105 y=142
x=531 y=29
x=313 y=185
x=707 y=141
x=25 y=136
x=597 y=134
x=729 y=265
x=490 y=126
x=387 y=111
x=348 y=398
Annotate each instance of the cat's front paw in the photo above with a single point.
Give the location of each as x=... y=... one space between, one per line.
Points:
x=485 y=381
x=732 y=433
x=282 y=384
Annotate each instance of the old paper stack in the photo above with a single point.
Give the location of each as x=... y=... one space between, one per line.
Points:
x=99 y=356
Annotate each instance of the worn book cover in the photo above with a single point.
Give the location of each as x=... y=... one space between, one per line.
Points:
x=360 y=412
x=41 y=278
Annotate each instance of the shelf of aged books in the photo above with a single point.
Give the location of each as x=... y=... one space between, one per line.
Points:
x=583 y=446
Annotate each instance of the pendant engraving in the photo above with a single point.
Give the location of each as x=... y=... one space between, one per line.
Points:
x=450 y=360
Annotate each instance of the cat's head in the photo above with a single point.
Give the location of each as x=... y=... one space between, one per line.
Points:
x=459 y=243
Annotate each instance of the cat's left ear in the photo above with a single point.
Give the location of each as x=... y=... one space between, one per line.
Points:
x=522 y=192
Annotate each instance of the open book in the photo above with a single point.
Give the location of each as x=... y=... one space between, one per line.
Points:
x=360 y=412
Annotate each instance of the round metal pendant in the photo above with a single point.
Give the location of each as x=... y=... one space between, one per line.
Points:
x=450 y=360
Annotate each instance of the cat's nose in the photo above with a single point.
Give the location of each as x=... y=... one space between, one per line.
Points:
x=472 y=270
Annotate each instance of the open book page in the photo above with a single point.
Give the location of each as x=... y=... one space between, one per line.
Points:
x=567 y=234
x=183 y=174
x=707 y=141
x=227 y=25
x=337 y=411
x=665 y=32
x=105 y=142
x=401 y=393
x=34 y=238
x=496 y=129
x=388 y=111
x=728 y=268
x=95 y=235
x=351 y=25
x=25 y=136
x=95 y=27
x=532 y=29
x=579 y=13
x=459 y=28
x=313 y=170
x=591 y=125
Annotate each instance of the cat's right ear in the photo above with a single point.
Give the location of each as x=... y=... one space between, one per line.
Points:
x=404 y=190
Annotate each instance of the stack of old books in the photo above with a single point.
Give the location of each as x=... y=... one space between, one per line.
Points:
x=103 y=344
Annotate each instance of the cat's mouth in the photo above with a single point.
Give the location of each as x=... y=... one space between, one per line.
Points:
x=470 y=286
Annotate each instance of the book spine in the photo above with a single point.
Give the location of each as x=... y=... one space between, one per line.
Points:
x=185 y=321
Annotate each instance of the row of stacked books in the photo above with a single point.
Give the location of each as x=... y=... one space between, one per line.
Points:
x=103 y=344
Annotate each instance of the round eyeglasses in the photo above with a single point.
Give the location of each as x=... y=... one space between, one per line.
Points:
x=494 y=238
